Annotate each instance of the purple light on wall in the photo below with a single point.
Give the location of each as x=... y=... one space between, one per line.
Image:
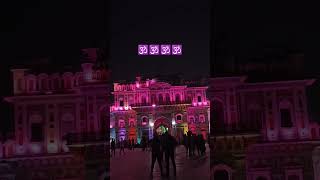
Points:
x=165 y=49
x=176 y=49
x=143 y=49
x=153 y=49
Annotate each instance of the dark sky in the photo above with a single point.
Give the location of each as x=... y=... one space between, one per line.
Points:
x=168 y=22
x=242 y=28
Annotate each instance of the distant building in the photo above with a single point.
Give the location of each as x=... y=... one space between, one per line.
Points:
x=48 y=107
x=262 y=131
x=148 y=106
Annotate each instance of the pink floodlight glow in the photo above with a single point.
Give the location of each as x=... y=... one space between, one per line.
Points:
x=153 y=105
x=111 y=126
x=137 y=85
x=200 y=103
x=194 y=104
x=121 y=108
x=205 y=103
x=126 y=108
x=116 y=108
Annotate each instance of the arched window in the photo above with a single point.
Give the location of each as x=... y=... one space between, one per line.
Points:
x=121 y=123
x=199 y=98
x=56 y=83
x=179 y=117
x=31 y=85
x=160 y=99
x=43 y=84
x=153 y=98
x=221 y=175
x=178 y=98
x=131 y=123
x=144 y=100
x=286 y=114
x=144 y=120
x=168 y=98
x=191 y=119
x=121 y=102
x=202 y=119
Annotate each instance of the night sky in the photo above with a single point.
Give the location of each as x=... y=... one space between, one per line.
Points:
x=241 y=28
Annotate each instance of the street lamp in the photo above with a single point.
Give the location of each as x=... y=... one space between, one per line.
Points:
x=151 y=124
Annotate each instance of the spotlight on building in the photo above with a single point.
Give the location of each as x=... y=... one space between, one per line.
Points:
x=173 y=122
x=111 y=126
x=153 y=105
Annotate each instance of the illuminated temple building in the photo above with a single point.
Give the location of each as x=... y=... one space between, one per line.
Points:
x=147 y=106
x=50 y=106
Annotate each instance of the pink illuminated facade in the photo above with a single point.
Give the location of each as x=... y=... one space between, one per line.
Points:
x=48 y=107
x=262 y=131
x=140 y=108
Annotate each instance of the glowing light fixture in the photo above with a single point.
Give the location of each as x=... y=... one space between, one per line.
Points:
x=173 y=122
x=205 y=103
x=194 y=104
x=200 y=103
x=151 y=124
x=111 y=126
x=126 y=108
x=120 y=108
x=153 y=105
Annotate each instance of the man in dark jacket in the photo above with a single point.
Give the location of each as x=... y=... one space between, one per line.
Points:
x=169 y=149
x=156 y=153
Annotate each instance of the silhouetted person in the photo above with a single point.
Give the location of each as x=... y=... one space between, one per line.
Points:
x=203 y=145
x=144 y=143
x=185 y=143
x=122 y=146
x=192 y=144
x=169 y=148
x=198 y=144
x=189 y=134
x=132 y=143
x=113 y=147
x=156 y=153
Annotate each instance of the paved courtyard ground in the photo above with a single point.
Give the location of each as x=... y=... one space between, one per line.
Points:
x=135 y=165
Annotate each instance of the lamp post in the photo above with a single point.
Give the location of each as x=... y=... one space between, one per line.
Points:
x=151 y=124
x=174 y=126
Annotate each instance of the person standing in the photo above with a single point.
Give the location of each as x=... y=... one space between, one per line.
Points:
x=156 y=153
x=122 y=146
x=185 y=143
x=169 y=148
x=132 y=142
x=113 y=147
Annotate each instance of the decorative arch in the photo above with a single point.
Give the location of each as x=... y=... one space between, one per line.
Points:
x=221 y=172
x=162 y=121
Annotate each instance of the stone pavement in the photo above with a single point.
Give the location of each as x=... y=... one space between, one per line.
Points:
x=135 y=165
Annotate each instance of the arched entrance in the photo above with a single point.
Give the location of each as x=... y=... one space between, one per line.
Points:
x=221 y=172
x=221 y=175
x=162 y=125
